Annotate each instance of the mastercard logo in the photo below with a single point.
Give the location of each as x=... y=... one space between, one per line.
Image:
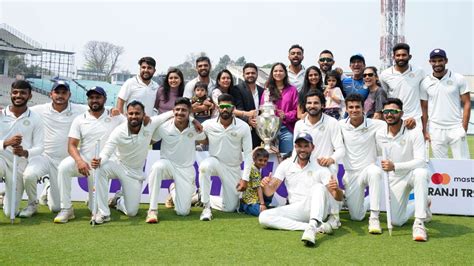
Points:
x=440 y=179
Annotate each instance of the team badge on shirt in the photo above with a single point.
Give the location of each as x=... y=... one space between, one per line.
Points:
x=107 y=120
x=411 y=75
x=69 y=113
x=190 y=135
x=310 y=173
x=402 y=142
x=233 y=134
x=26 y=122
x=364 y=130
x=321 y=128
x=449 y=82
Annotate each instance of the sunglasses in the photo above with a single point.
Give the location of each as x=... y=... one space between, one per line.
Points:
x=391 y=111
x=368 y=74
x=325 y=59
x=226 y=106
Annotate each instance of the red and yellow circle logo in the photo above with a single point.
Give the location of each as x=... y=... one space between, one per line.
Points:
x=442 y=179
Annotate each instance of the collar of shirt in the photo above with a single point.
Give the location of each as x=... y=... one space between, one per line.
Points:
x=318 y=124
x=140 y=81
x=364 y=125
x=446 y=76
x=68 y=108
x=409 y=70
x=7 y=112
x=301 y=72
x=399 y=134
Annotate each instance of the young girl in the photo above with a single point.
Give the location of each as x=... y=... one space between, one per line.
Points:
x=333 y=94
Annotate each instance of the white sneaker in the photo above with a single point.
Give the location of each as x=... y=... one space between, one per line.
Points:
x=100 y=219
x=374 y=226
x=309 y=236
x=43 y=199
x=64 y=216
x=206 y=214
x=419 y=233
x=325 y=228
x=334 y=221
x=31 y=209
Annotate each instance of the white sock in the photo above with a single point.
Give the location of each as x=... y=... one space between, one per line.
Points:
x=374 y=214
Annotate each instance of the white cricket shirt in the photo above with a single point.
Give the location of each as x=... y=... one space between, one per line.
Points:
x=135 y=89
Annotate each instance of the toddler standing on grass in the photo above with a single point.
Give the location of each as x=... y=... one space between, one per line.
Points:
x=252 y=201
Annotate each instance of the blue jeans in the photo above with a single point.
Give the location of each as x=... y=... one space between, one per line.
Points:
x=254 y=209
x=285 y=138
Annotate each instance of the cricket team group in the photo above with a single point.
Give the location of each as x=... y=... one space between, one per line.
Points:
x=326 y=118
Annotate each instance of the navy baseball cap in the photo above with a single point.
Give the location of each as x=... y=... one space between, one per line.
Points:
x=438 y=53
x=357 y=56
x=304 y=135
x=60 y=84
x=98 y=90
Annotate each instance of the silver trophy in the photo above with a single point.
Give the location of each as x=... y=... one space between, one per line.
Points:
x=268 y=124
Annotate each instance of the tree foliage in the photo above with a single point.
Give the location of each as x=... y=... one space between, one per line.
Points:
x=102 y=57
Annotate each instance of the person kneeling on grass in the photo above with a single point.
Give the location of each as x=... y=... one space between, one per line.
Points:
x=253 y=201
x=310 y=188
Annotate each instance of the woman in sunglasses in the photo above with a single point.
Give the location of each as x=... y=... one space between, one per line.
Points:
x=373 y=105
x=285 y=98
x=312 y=81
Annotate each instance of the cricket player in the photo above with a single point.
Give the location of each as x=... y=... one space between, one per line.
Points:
x=441 y=95
x=57 y=117
x=228 y=137
x=86 y=129
x=358 y=134
x=403 y=81
x=405 y=161
x=130 y=142
x=326 y=135
x=21 y=134
x=176 y=162
x=310 y=188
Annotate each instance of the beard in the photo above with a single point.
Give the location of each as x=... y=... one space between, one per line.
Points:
x=225 y=115
x=146 y=76
x=203 y=73
x=314 y=112
x=401 y=63
x=95 y=107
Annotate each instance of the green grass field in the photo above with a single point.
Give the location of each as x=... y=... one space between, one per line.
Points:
x=230 y=238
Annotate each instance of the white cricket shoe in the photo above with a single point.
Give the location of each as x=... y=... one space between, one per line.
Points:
x=31 y=209
x=334 y=221
x=64 y=216
x=206 y=214
x=309 y=236
x=374 y=226
x=100 y=219
x=325 y=228
x=419 y=233
x=113 y=201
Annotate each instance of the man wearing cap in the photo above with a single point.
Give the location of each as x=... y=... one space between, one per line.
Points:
x=21 y=134
x=228 y=137
x=141 y=87
x=86 y=129
x=57 y=117
x=403 y=81
x=310 y=189
x=445 y=121
x=403 y=157
x=355 y=83
x=296 y=70
x=326 y=135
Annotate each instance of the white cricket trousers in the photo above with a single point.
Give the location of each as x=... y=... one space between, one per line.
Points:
x=455 y=138
x=38 y=167
x=67 y=169
x=131 y=188
x=400 y=188
x=355 y=183
x=6 y=171
x=184 y=179
x=296 y=216
x=230 y=177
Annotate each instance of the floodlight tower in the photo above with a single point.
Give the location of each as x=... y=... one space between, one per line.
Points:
x=392 y=30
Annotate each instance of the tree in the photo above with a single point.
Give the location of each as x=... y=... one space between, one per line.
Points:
x=223 y=62
x=240 y=61
x=102 y=57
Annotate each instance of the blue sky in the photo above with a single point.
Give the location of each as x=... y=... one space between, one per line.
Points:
x=261 y=31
